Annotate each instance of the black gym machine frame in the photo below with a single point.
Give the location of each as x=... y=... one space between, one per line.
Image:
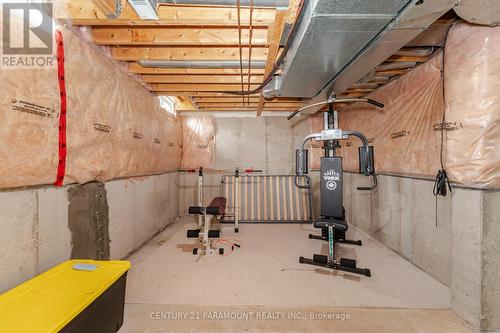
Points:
x=332 y=213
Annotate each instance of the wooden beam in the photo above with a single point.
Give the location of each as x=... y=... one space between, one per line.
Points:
x=193 y=94
x=138 y=69
x=232 y=99
x=176 y=36
x=172 y=87
x=353 y=94
x=184 y=53
x=359 y=90
x=400 y=58
x=235 y=99
x=392 y=72
x=84 y=12
x=236 y=79
x=253 y=108
x=231 y=110
x=238 y=105
x=274 y=35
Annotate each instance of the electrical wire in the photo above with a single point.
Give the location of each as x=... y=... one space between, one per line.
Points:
x=442 y=183
x=280 y=59
x=250 y=34
x=240 y=48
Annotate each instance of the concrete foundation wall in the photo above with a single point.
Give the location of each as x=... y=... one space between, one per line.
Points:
x=265 y=143
x=490 y=252
x=403 y=214
x=34 y=233
x=454 y=239
x=35 y=236
x=139 y=209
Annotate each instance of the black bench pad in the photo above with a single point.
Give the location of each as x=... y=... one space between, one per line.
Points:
x=339 y=225
x=216 y=207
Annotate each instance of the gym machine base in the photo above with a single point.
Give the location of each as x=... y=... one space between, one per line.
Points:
x=332 y=222
x=215 y=210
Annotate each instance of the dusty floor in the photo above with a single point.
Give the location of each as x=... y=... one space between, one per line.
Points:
x=262 y=287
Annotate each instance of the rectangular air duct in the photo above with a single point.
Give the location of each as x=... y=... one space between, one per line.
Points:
x=330 y=34
x=340 y=41
x=145 y=9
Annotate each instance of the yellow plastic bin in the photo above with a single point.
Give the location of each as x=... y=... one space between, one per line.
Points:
x=75 y=296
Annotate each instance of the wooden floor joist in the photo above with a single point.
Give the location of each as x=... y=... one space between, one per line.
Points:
x=138 y=69
x=407 y=58
x=230 y=99
x=366 y=91
x=392 y=72
x=176 y=36
x=85 y=12
x=255 y=104
x=213 y=79
x=274 y=35
x=210 y=33
x=253 y=109
x=185 y=53
x=195 y=94
x=173 y=88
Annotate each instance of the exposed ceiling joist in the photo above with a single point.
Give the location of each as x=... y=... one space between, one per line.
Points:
x=274 y=36
x=196 y=94
x=237 y=105
x=85 y=12
x=176 y=36
x=138 y=69
x=199 y=79
x=171 y=87
x=185 y=36
x=229 y=99
x=184 y=53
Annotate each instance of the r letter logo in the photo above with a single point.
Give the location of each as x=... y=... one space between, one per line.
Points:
x=27 y=28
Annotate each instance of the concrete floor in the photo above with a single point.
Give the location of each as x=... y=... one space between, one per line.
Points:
x=264 y=282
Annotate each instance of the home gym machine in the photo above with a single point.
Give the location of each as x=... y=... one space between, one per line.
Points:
x=332 y=220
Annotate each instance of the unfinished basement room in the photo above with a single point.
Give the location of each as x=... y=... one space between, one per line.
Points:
x=250 y=166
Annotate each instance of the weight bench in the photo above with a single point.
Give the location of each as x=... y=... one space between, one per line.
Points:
x=340 y=226
x=216 y=209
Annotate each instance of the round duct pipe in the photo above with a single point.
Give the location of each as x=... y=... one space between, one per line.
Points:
x=256 y=3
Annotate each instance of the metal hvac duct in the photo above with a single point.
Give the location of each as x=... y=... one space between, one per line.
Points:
x=339 y=41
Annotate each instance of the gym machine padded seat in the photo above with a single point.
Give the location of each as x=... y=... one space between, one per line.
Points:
x=75 y=296
x=216 y=207
x=339 y=225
